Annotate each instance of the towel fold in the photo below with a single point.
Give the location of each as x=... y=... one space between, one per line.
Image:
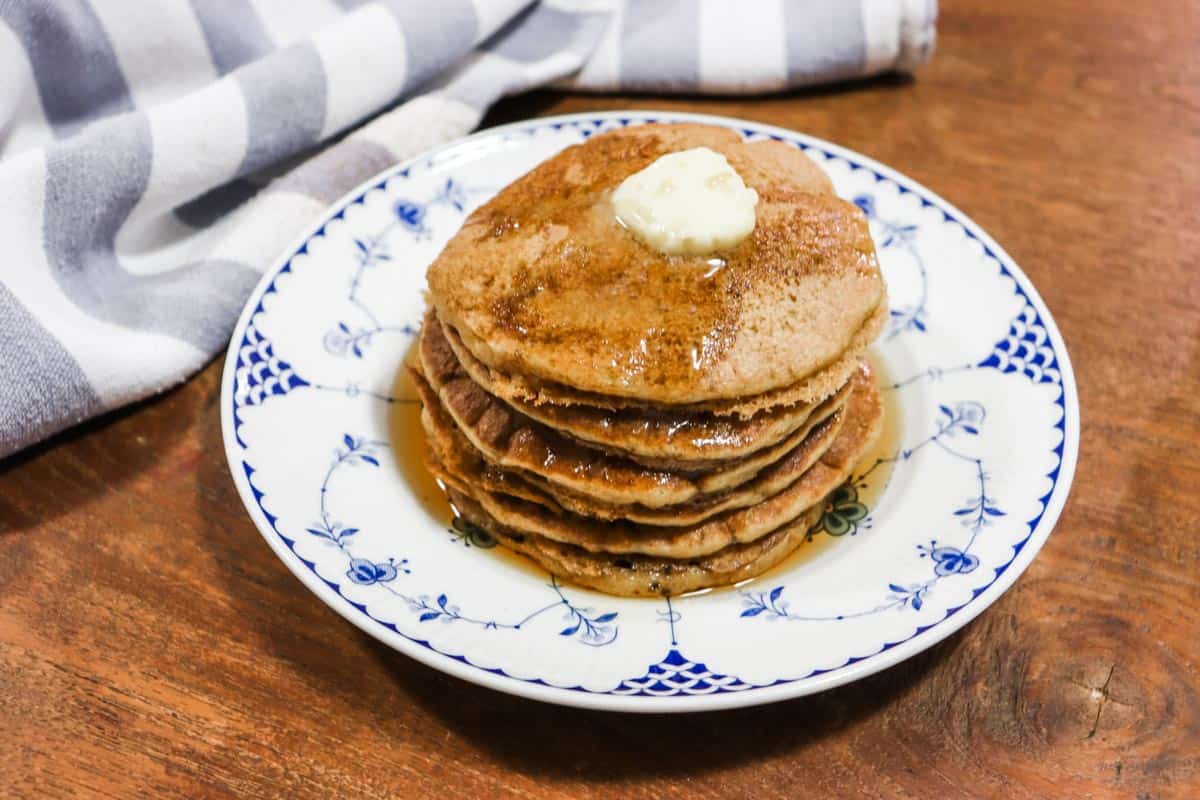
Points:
x=148 y=149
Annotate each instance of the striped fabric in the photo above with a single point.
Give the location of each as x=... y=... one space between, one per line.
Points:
x=150 y=152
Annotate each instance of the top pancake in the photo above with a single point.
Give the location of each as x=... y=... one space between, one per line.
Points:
x=543 y=281
x=522 y=390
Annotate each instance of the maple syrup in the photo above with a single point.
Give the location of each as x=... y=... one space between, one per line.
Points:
x=870 y=476
x=876 y=465
x=411 y=446
x=879 y=461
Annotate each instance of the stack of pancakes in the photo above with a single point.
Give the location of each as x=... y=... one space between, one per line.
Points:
x=641 y=423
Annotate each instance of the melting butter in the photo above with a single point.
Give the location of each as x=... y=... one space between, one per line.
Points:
x=687 y=203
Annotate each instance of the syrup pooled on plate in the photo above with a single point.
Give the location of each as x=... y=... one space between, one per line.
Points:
x=866 y=486
x=411 y=446
x=878 y=463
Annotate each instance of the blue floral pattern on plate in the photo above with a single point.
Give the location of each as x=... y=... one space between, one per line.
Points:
x=988 y=426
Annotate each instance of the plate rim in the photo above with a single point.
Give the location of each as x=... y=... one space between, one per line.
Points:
x=538 y=690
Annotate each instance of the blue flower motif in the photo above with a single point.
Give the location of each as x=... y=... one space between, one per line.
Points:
x=365 y=572
x=411 y=215
x=951 y=560
x=867 y=203
x=948 y=560
x=471 y=535
x=843 y=513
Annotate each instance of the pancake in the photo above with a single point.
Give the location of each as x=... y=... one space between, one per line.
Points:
x=655 y=437
x=769 y=481
x=513 y=441
x=457 y=457
x=516 y=388
x=864 y=417
x=645 y=576
x=542 y=281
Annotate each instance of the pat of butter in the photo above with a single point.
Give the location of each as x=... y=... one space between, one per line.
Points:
x=687 y=203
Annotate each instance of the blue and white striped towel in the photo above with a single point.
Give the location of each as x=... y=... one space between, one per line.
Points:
x=147 y=149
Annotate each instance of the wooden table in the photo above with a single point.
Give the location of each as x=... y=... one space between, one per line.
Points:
x=151 y=643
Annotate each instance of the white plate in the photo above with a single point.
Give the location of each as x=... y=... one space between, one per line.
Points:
x=985 y=431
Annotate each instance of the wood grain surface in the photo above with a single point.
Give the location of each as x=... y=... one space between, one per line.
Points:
x=152 y=645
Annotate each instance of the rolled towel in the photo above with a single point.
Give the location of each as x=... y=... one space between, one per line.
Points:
x=725 y=47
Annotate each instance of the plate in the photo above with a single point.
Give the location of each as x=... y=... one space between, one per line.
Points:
x=321 y=434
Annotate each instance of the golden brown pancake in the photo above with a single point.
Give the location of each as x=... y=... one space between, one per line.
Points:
x=864 y=417
x=769 y=481
x=515 y=442
x=542 y=281
x=656 y=437
x=456 y=456
x=517 y=388
x=645 y=576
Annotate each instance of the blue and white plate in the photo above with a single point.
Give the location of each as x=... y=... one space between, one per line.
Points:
x=318 y=426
